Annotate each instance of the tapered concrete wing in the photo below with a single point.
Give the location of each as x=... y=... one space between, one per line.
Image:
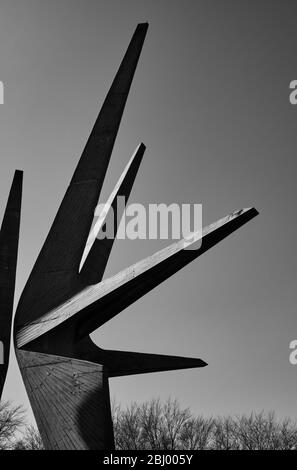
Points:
x=99 y=303
x=54 y=278
x=98 y=247
x=9 y=240
x=65 y=299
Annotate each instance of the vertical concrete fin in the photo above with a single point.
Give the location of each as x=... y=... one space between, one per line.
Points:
x=54 y=277
x=98 y=246
x=102 y=137
x=66 y=241
x=9 y=240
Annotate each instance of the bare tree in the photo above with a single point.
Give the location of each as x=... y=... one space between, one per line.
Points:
x=31 y=440
x=150 y=418
x=174 y=421
x=197 y=434
x=127 y=427
x=288 y=435
x=11 y=421
x=224 y=434
x=264 y=432
x=151 y=425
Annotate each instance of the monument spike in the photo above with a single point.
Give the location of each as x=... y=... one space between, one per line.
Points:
x=57 y=266
x=99 y=303
x=106 y=127
x=98 y=248
x=9 y=241
x=120 y=363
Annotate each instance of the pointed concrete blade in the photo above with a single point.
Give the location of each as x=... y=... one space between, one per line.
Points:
x=9 y=240
x=54 y=277
x=98 y=304
x=98 y=249
x=120 y=363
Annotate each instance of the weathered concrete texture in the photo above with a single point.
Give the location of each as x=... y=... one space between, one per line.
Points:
x=9 y=240
x=70 y=400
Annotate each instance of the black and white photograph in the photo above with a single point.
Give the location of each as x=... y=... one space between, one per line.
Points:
x=148 y=265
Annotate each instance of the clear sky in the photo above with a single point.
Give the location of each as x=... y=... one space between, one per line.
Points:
x=210 y=99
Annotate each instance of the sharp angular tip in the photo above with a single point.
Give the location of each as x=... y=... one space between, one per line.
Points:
x=142 y=28
x=17 y=182
x=142 y=146
x=256 y=212
x=16 y=188
x=251 y=210
x=140 y=149
x=190 y=363
x=18 y=175
x=138 y=154
x=198 y=363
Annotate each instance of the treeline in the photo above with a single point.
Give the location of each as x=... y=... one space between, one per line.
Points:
x=166 y=426
x=154 y=425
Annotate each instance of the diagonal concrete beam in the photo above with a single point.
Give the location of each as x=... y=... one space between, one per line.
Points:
x=97 y=304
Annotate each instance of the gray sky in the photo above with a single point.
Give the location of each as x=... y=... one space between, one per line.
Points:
x=210 y=99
